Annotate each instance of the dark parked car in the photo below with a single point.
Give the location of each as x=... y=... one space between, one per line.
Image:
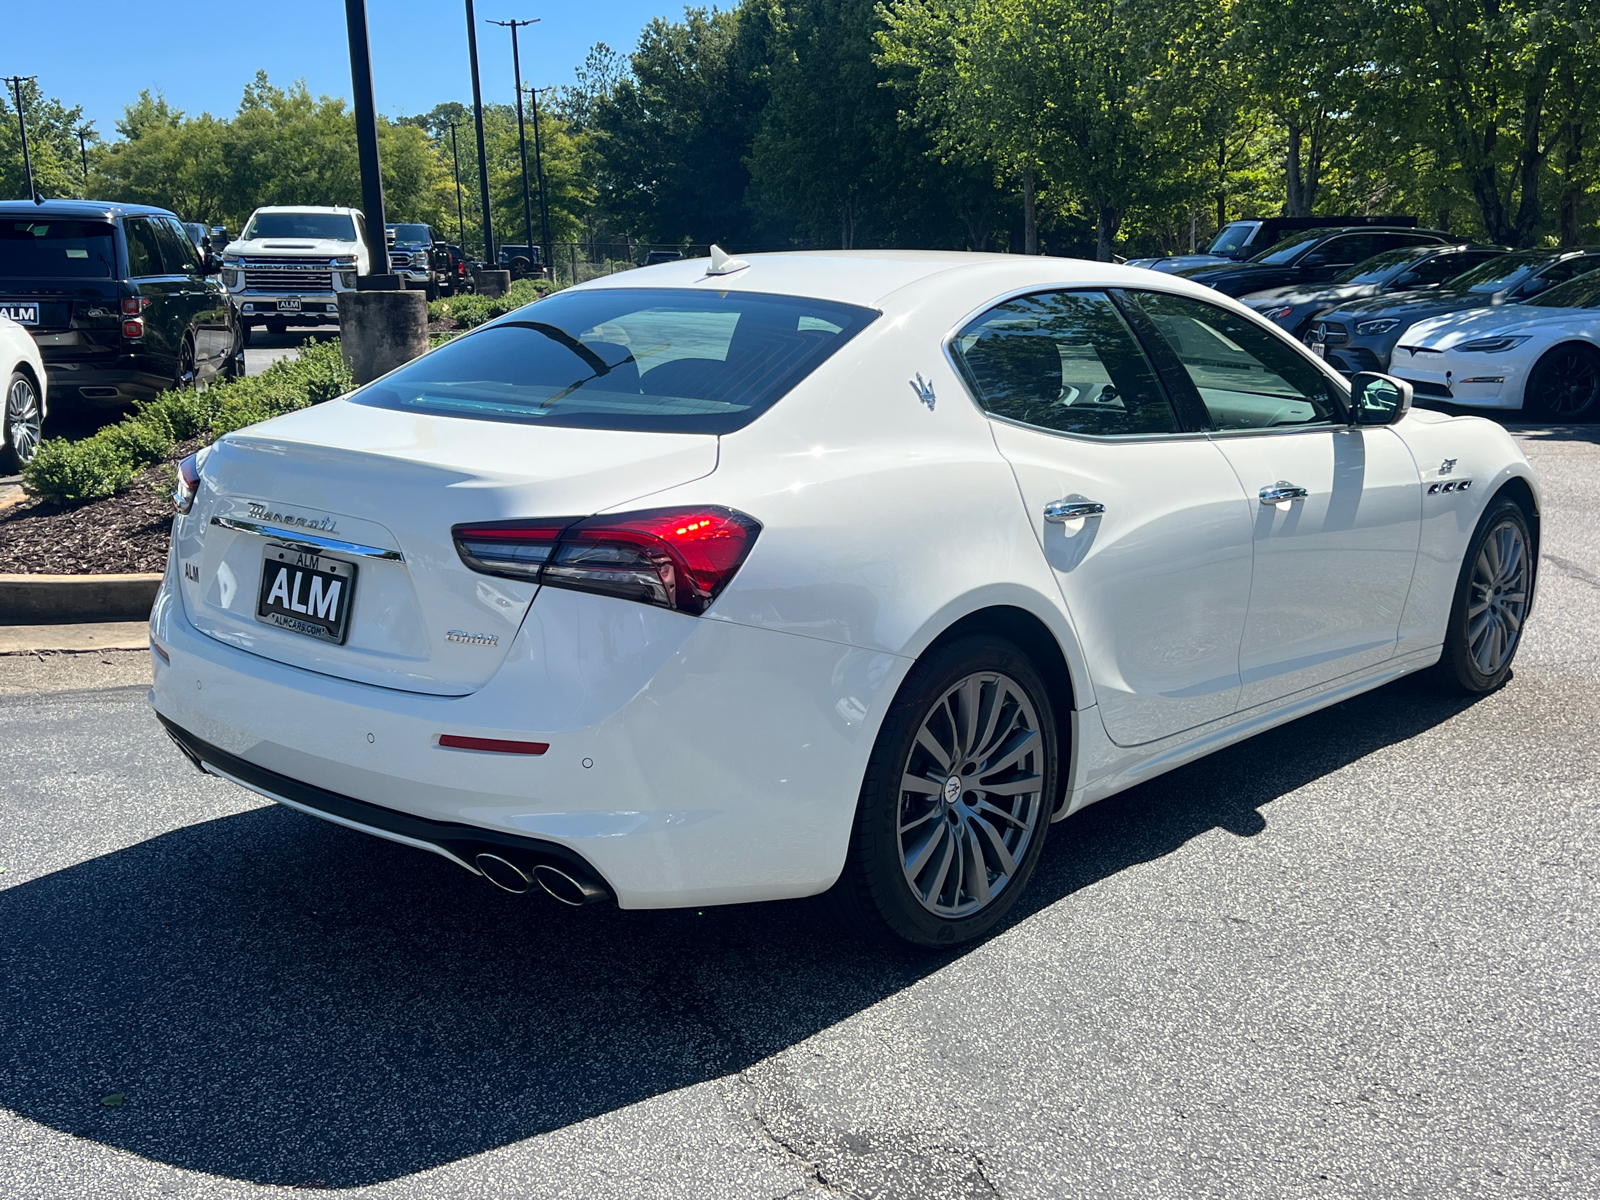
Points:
x=662 y=256
x=120 y=301
x=1410 y=268
x=454 y=268
x=521 y=261
x=1362 y=335
x=1310 y=256
x=1239 y=240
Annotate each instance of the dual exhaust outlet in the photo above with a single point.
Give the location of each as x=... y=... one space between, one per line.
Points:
x=567 y=884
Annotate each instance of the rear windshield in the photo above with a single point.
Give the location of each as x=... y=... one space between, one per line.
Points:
x=412 y=235
x=48 y=249
x=335 y=226
x=1500 y=272
x=1289 y=248
x=666 y=360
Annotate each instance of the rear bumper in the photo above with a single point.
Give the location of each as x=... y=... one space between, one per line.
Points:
x=112 y=385
x=691 y=761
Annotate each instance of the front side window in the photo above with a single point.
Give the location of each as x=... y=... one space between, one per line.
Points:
x=1246 y=376
x=336 y=227
x=664 y=360
x=45 y=248
x=1064 y=361
x=144 y=250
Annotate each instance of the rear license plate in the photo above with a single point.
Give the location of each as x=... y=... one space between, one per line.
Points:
x=289 y=305
x=306 y=593
x=22 y=314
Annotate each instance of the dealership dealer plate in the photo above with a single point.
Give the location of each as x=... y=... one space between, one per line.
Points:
x=22 y=314
x=291 y=304
x=306 y=593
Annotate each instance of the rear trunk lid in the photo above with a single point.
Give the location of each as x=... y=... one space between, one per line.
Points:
x=378 y=491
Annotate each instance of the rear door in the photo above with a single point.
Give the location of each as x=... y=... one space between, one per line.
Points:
x=1157 y=579
x=1336 y=509
x=163 y=295
x=201 y=298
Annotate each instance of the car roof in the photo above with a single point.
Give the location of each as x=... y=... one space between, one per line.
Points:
x=103 y=209
x=306 y=208
x=868 y=277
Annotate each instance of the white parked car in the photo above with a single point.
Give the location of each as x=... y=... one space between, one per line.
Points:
x=27 y=395
x=851 y=571
x=290 y=262
x=1541 y=356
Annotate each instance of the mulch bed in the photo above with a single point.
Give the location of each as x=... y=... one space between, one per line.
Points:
x=126 y=533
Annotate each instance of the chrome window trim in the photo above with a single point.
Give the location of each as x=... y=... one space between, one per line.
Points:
x=310 y=542
x=948 y=345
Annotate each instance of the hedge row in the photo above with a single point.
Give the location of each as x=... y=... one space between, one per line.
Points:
x=95 y=467
x=471 y=309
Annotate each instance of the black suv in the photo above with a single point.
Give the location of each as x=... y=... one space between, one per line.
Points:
x=119 y=300
x=1310 y=256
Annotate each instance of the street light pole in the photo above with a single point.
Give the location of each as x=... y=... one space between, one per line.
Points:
x=455 y=162
x=522 y=140
x=483 y=158
x=16 y=82
x=355 y=13
x=538 y=164
x=83 y=132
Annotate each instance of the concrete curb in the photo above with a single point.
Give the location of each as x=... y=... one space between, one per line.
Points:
x=65 y=599
x=82 y=638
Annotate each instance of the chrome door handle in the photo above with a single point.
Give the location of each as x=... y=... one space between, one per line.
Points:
x=1072 y=510
x=1283 y=490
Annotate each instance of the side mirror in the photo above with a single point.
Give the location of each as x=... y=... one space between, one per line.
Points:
x=1378 y=399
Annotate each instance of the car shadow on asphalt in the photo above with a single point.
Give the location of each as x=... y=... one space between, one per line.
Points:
x=283 y=1001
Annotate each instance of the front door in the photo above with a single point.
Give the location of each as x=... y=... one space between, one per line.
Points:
x=1336 y=510
x=1158 y=583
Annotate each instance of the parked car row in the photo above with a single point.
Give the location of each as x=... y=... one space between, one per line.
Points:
x=1468 y=324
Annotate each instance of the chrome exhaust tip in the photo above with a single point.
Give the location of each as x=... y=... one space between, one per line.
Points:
x=504 y=875
x=566 y=888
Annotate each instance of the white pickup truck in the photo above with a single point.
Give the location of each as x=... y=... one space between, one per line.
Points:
x=290 y=263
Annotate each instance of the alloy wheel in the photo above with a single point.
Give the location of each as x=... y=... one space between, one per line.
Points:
x=1569 y=382
x=24 y=423
x=1498 y=600
x=971 y=794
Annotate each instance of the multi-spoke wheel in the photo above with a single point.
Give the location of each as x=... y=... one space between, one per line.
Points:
x=957 y=797
x=1491 y=601
x=1565 y=385
x=24 y=423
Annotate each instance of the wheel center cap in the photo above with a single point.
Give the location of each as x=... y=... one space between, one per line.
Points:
x=952 y=789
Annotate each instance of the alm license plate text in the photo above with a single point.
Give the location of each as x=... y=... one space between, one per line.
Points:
x=22 y=314
x=306 y=593
x=292 y=305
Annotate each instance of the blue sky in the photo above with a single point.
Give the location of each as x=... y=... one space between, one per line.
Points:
x=201 y=53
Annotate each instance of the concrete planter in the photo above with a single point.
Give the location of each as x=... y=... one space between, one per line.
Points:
x=68 y=599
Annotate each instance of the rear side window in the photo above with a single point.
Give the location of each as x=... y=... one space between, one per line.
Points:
x=1064 y=361
x=144 y=251
x=1246 y=377
x=178 y=253
x=667 y=360
x=43 y=248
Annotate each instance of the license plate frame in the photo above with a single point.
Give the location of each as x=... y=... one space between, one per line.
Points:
x=22 y=314
x=310 y=576
x=289 y=304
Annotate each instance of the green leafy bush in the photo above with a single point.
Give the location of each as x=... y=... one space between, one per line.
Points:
x=71 y=473
x=472 y=309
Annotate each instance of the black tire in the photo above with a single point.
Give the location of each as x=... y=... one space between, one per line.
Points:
x=22 y=426
x=874 y=895
x=186 y=375
x=1461 y=667
x=246 y=329
x=1564 y=385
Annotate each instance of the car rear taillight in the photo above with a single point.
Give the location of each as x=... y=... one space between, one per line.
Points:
x=133 y=328
x=678 y=558
x=188 y=483
x=132 y=306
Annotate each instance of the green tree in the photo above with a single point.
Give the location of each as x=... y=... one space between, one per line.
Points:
x=52 y=145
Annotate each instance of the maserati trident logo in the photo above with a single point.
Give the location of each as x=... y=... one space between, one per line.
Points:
x=924 y=390
x=1447 y=466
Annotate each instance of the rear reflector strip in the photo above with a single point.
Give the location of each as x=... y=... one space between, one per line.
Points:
x=492 y=745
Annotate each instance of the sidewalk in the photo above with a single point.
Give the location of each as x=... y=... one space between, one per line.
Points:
x=74 y=639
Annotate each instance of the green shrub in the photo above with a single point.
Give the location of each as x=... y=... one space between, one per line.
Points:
x=470 y=310
x=103 y=464
x=77 y=472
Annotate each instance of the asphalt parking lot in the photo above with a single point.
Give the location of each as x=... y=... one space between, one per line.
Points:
x=1357 y=956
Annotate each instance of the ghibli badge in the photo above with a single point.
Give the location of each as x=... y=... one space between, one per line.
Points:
x=471 y=639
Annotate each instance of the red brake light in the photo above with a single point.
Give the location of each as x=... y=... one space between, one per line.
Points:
x=133 y=328
x=134 y=305
x=455 y=741
x=188 y=483
x=679 y=558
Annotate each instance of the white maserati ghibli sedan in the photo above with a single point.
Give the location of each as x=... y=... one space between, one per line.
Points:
x=27 y=388
x=848 y=573
x=1541 y=356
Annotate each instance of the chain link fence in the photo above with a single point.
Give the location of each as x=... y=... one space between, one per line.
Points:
x=575 y=262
